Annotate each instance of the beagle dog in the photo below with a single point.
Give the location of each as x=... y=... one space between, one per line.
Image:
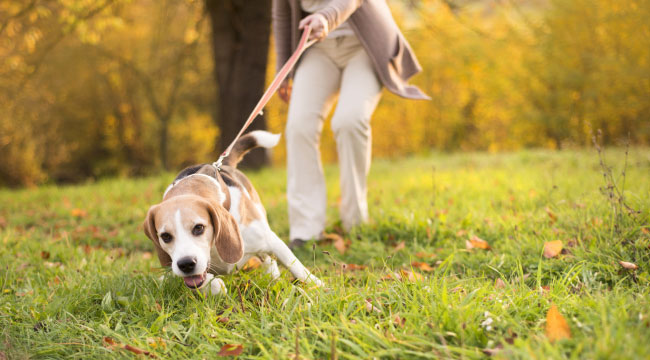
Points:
x=211 y=222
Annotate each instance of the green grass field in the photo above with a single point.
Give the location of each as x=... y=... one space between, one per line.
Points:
x=79 y=280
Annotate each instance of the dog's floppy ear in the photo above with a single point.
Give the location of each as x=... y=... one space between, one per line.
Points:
x=227 y=238
x=151 y=232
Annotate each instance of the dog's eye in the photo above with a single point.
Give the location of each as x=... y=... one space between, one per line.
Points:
x=198 y=230
x=166 y=237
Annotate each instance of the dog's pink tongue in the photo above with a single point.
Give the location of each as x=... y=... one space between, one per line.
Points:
x=193 y=281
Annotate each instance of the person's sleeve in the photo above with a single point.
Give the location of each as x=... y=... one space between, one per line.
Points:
x=281 y=16
x=337 y=11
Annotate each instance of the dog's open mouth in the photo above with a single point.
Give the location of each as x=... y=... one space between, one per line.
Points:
x=194 y=281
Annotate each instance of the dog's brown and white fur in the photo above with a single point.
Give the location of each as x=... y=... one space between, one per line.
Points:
x=211 y=222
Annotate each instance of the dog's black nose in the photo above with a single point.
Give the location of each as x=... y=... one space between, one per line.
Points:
x=187 y=264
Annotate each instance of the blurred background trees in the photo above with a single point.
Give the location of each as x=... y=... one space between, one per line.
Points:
x=92 y=88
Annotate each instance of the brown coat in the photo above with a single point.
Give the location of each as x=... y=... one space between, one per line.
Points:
x=372 y=22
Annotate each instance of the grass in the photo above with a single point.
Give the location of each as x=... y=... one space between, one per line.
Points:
x=76 y=268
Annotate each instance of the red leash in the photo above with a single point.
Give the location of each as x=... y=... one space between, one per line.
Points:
x=275 y=84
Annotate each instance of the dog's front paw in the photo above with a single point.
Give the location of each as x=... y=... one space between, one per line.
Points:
x=311 y=279
x=214 y=286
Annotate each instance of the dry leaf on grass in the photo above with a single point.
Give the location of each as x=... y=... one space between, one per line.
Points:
x=138 y=351
x=645 y=230
x=628 y=265
x=370 y=307
x=422 y=266
x=411 y=276
x=401 y=245
x=424 y=255
x=556 y=326
x=339 y=243
x=552 y=248
x=231 y=350
x=78 y=213
x=45 y=255
x=352 y=267
x=252 y=263
x=499 y=284
x=399 y=321
x=476 y=242
x=156 y=343
x=551 y=215
x=110 y=343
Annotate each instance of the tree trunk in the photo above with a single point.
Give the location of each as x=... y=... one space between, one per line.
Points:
x=240 y=39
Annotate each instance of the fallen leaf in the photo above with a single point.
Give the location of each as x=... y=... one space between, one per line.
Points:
x=352 y=267
x=628 y=265
x=422 y=254
x=551 y=215
x=339 y=242
x=461 y=233
x=391 y=276
x=552 y=248
x=78 y=213
x=422 y=266
x=494 y=351
x=370 y=307
x=138 y=351
x=231 y=350
x=109 y=341
x=45 y=255
x=411 y=276
x=252 y=263
x=499 y=284
x=645 y=230
x=476 y=242
x=556 y=327
x=146 y=255
x=156 y=343
x=399 y=321
x=401 y=245
x=223 y=320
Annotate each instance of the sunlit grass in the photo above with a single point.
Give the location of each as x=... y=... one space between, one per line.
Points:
x=76 y=268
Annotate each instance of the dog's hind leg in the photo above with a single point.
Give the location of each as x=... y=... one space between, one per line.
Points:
x=271 y=267
x=288 y=259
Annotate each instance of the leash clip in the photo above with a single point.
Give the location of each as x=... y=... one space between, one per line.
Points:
x=217 y=164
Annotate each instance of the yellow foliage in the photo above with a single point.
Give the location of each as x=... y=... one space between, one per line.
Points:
x=88 y=95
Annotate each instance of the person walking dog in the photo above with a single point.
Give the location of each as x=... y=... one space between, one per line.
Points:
x=360 y=50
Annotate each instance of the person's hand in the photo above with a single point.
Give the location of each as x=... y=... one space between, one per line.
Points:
x=318 y=24
x=285 y=90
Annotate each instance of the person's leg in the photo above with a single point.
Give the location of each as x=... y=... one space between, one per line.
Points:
x=360 y=93
x=314 y=88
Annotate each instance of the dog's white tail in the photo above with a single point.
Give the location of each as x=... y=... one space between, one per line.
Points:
x=257 y=138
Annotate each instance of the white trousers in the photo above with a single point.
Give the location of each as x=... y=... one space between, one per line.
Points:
x=338 y=65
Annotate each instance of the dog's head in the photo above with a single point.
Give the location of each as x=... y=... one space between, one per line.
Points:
x=185 y=228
